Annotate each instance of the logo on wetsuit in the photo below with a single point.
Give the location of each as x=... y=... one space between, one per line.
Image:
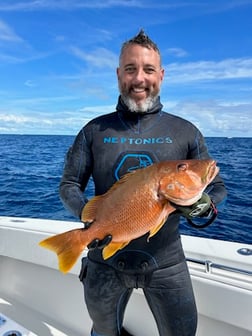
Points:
x=137 y=141
x=128 y=162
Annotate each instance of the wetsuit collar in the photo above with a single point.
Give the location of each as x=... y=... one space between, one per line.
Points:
x=121 y=107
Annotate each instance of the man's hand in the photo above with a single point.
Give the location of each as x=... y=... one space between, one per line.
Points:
x=99 y=243
x=86 y=225
x=202 y=208
x=96 y=243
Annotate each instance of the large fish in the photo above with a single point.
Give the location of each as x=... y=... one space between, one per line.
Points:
x=136 y=204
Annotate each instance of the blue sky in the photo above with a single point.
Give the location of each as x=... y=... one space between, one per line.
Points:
x=58 y=61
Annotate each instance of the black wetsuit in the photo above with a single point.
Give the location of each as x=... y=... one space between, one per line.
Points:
x=107 y=148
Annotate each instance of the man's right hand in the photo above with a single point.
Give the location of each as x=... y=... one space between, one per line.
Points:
x=99 y=243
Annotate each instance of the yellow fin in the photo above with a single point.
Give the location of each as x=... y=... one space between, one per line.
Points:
x=68 y=247
x=112 y=248
x=165 y=213
x=156 y=228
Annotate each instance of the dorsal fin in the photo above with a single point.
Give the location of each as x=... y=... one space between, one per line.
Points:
x=122 y=180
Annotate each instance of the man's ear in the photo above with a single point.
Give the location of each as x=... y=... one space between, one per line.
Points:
x=118 y=72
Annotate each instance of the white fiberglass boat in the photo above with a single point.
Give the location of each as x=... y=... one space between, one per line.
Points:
x=36 y=299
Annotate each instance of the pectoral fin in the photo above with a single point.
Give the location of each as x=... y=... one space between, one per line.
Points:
x=154 y=230
x=112 y=248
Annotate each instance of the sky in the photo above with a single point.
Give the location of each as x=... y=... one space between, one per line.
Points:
x=58 y=61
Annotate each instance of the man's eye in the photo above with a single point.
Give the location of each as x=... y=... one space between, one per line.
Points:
x=130 y=69
x=149 y=70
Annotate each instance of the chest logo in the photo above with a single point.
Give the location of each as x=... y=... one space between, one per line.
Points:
x=131 y=161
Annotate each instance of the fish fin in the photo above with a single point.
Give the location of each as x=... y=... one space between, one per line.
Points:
x=156 y=228
x=112 y=248
x=89 y=211
x=121 y=181
x=68 y=246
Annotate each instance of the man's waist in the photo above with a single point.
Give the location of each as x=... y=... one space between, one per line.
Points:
x=142 y=260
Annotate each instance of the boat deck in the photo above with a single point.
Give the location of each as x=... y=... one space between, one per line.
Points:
x=18 y=318
x=44 y=302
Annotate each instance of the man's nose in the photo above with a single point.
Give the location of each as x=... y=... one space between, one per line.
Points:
x=139 y=75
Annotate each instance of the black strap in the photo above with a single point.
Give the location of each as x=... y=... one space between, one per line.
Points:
x=210 y=220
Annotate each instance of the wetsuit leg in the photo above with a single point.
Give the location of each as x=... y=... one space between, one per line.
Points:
x=171 y=299
x=106 y=299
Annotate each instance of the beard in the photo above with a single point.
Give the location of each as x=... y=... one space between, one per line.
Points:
x=142 y=107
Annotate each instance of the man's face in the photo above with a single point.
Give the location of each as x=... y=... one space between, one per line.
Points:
x=139 y=77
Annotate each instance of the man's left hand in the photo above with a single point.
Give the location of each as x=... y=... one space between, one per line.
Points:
x=202 y=208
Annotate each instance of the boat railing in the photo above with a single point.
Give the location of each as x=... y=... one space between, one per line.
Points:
x=224 y=273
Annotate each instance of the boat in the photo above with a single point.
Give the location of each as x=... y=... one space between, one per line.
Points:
x=37 y=299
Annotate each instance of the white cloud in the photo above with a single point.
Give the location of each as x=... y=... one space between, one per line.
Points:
x=99 y=58
x=39 y=123
x=68 y=5
x=5 y=58
x=17 y=119
x=14 y=49
x=235 y=68
x=7 y=34
x=30 y=83
x=215 y=118
x=177 y=52
x=32 y=5
x=41 y=100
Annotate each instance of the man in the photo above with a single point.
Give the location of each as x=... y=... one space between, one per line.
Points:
x=138 y=134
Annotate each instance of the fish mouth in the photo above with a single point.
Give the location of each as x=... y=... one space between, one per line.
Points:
x=212 y=171
x=186 y=202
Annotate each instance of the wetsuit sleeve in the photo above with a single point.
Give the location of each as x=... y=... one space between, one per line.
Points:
x=216 y=189
x=77 y=171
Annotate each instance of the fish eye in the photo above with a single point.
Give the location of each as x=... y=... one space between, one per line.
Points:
x=182 y=166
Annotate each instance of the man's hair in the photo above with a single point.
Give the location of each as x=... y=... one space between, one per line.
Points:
x=141 y=39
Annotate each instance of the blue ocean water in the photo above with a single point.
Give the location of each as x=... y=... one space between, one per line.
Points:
x=31 y=168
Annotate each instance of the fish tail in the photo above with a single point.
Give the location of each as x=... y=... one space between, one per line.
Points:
x=68 y=246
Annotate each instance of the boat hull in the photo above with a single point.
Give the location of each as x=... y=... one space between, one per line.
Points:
x=43 y=301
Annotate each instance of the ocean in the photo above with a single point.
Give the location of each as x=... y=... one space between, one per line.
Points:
x=31 y=168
